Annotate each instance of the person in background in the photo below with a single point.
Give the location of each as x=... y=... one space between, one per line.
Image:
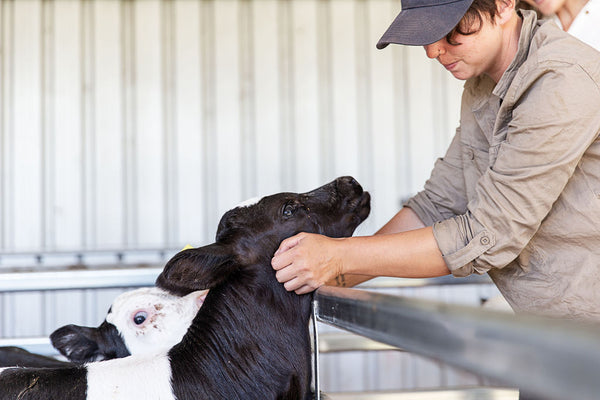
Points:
x=580 y=18
x=517 y=194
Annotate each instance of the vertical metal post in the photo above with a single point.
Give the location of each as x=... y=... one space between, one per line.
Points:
x=316 y=352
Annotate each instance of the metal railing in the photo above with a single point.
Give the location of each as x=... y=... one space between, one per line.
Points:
x=551 y=358
x=555 y=359
x=126 y=275
x=80 y=278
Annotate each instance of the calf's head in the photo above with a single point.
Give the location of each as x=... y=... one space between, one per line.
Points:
x=250 y=234
x=141 y=321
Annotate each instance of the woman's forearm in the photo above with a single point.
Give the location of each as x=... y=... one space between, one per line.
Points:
x=405 y=220
x=410 y=254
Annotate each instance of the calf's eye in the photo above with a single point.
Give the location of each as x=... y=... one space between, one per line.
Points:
x=140 y=317
x=288 y=210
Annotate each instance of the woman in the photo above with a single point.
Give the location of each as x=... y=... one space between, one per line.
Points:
x=517 y=194
x=578 y=17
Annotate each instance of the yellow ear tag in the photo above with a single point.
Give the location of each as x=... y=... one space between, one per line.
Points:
x=187 y=246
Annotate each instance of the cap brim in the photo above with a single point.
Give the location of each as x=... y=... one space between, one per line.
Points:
x=424 y=25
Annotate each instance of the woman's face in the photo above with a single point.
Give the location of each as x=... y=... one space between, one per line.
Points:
x=547 y=7
x=473 y=55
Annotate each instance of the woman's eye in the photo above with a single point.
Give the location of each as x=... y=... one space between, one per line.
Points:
x=140 y=317
x=288 y=210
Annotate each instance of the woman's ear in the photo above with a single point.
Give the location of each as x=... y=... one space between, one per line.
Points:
x=506 y=10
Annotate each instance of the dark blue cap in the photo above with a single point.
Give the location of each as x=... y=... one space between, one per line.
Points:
x=423 y=22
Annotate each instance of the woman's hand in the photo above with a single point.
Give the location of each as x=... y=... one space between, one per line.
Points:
x=307 y=261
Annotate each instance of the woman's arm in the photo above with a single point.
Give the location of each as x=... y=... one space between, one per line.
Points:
x=404 y=220
x=307 y=261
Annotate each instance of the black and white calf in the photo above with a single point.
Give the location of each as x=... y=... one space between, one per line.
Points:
x=249 y=340
x=141 y=321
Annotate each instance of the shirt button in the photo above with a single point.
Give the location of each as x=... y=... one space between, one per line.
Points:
x=484 y=240
x=470 y=154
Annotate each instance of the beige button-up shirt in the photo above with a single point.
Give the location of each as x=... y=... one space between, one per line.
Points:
x=517 y=194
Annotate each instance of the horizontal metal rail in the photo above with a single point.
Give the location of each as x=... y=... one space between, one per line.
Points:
x=455 y=393
x=551 y=358
x=383 y=282
x=18 y=280
x=118 y=254
x=338 y=342
x=89 y=269
x=144 y=274
x=36 y=345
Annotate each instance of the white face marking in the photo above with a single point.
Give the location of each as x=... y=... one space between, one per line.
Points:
x=249 y=202
x=145 y=377
x=152 y=320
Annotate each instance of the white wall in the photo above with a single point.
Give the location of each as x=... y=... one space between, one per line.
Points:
x=136 y=124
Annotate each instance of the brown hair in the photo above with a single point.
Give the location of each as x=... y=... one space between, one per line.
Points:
x=472 y=21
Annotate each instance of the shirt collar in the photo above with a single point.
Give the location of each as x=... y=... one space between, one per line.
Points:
x=527 y=31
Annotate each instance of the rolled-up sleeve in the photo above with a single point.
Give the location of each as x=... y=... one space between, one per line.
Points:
x=462 y=240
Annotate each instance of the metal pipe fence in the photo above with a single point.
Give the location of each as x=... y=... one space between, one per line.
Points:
x=84 y=274
x=554 y=359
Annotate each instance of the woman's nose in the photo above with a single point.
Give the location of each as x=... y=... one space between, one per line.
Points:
x=434 y=50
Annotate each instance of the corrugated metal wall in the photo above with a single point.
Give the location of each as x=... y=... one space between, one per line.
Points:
x=136 y=124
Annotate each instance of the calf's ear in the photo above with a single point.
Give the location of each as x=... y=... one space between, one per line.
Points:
x=81 y=344
x=76 y=343
x=198 y=297
x=197 y=269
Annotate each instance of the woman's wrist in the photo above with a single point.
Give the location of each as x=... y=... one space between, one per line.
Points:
x=345 y=253
x=348 y=255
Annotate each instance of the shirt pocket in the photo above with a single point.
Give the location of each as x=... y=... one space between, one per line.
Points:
x=475 y=163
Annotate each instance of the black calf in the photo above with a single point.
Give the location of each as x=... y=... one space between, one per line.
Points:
x=249 y=340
